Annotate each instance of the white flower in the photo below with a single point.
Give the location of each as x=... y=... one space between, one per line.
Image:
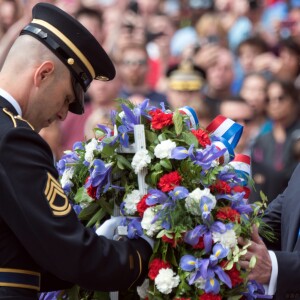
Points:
x=164 y=149
x=66 y=177
x=200 y=283
x=89 y=150
x=143 y=289
x=131 y=201
x=147 y=225
x=166 y=280
x=227 y=239
x=192 y=202
x=140 y=160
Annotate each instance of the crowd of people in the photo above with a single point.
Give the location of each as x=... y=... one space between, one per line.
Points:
x=238 y=58
x=199 y=53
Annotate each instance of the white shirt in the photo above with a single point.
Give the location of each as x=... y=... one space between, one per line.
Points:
x=270 y=289
x=11 y=100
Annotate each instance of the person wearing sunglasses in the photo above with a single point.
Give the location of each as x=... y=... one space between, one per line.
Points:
x=272 y=158
x=239 y=111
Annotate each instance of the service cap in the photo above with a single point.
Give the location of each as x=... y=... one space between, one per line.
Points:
x=74 y=45
x=185 y=77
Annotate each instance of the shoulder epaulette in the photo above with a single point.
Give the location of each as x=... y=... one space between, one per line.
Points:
x=15 y=118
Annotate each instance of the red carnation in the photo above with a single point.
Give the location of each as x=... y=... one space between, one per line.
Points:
x=233 y=273
x=202 y=137
x=160 y=119
x=220 y=187
x=91 y=190
x=200 y=244
x=172 y=241
x=155 y=265
x=210 y=297
x=169 y=181
x=228 y=214
x=142 y=205
x=240 y=189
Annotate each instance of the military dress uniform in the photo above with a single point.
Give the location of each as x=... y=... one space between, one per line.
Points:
x=43 y=246
x=39 y=231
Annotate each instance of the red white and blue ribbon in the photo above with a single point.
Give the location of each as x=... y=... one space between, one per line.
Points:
x=242 y=166
x=190 y=112
x=225 y=133
x=227 y=129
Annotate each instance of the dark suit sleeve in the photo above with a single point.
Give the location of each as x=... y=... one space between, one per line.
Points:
x=39 y=215
x=272 y=217
x=283 y=216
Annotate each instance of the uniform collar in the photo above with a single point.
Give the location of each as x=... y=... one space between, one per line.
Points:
x=11 y=100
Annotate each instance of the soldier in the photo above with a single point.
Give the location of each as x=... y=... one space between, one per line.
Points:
x=43 y=246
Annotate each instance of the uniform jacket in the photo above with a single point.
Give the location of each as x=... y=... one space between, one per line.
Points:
x=39 y=230
x=283 y=215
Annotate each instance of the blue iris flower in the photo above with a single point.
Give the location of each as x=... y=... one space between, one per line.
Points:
x=67 y=160
x=156 y=197
x=181 y=153
x=207 y=269
x=207 y=156
x=123 y=135
x=255 y=291
x=100 y=175
x=135 y=229
x=179 y=193
x=78 y=146
x=192 y=236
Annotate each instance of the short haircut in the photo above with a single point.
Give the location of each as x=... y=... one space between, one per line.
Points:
x=255 y=42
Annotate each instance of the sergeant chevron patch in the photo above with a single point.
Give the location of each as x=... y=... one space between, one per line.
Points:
x=56 y=197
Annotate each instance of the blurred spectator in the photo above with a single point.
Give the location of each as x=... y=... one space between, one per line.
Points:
x=184 y=83
x=98 y=116
x=52 y=135
x=133 y=68
x=219 y=78
x=147 y=8
x=92 y=20
x=247 y=51
x=70 y=6
x=10 y=12
x=14 y=30
x=160 y=30
x=272 y=155
x=210 y=30
x=131 y=29
x=239 y=111
x=254 y=92
x=284 y=66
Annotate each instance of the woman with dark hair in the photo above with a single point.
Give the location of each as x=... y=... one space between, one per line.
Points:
x=272 y=154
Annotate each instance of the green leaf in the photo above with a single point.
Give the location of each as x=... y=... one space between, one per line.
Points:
x=82 y=196
x=190 y=139
x=155 y=176
x=107 y=151
x=88 y=211
x=178 y=122
x=123 y=162
x=234 y=297
x=73 y=292
x=101 y=213
x=101 y=296
x=107 y=208
x=252 y=262
x=151 y=137
x=166 y=164
x=229 y=265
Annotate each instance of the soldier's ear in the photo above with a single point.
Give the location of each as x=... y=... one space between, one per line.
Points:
x=43 y=72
